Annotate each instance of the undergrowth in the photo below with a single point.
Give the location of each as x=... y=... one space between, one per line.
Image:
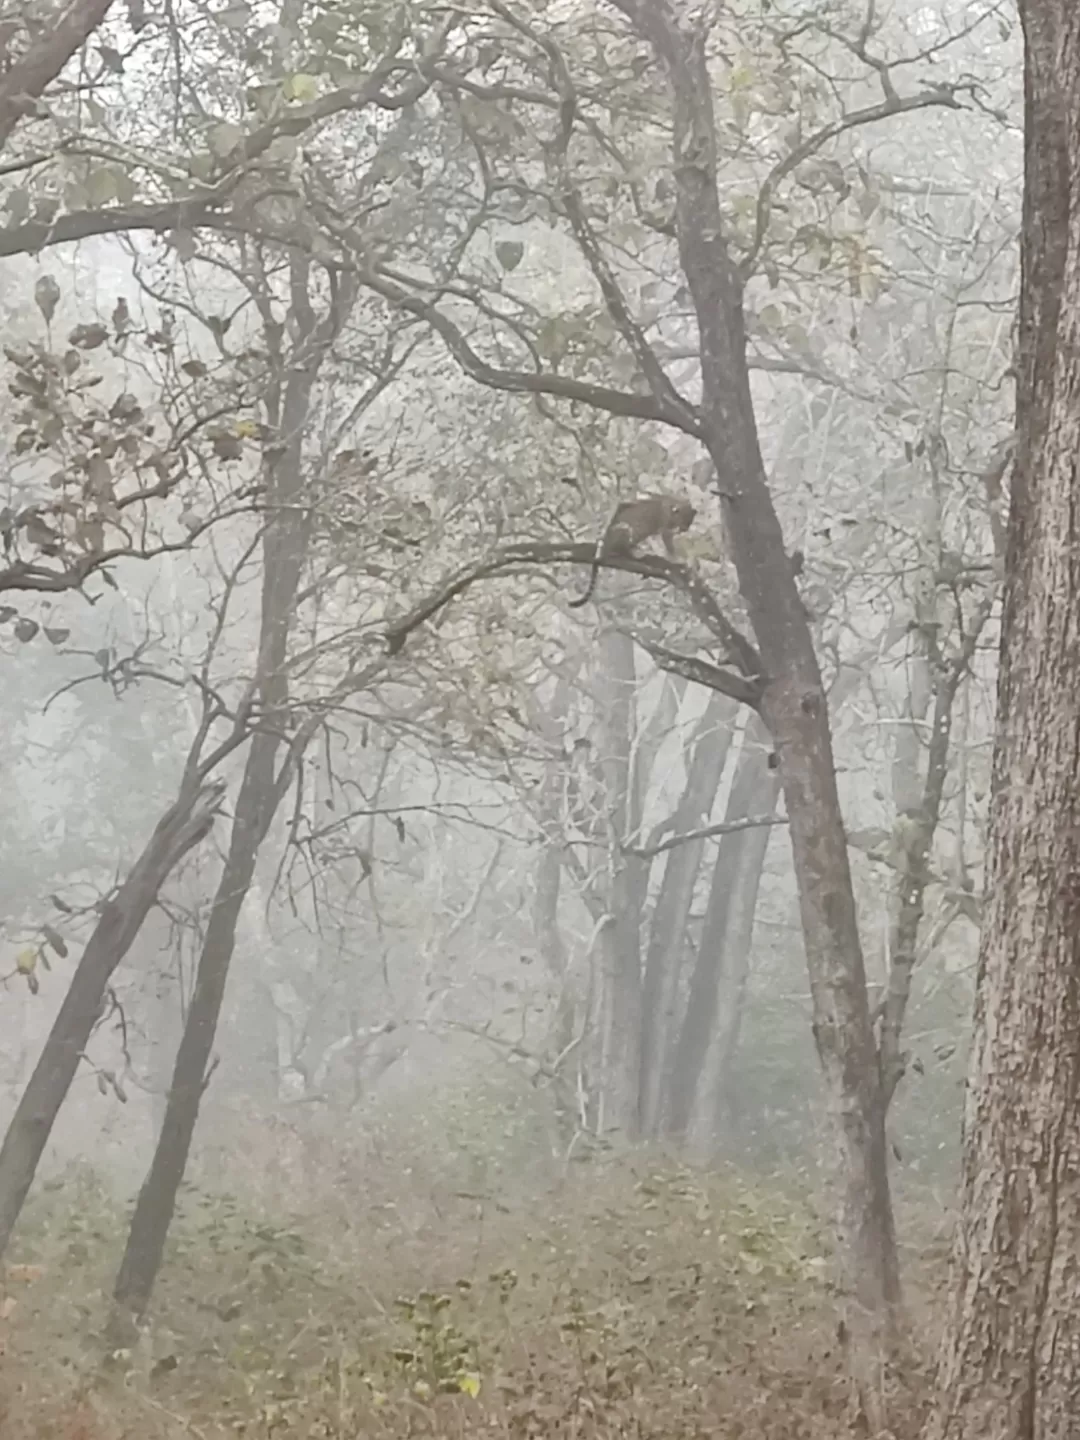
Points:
x=634 y=1300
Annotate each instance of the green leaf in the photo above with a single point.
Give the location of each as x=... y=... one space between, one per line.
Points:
x=184 y=244
x=47 y=296
x=263 y=99
x=303 y=88
x=53 y=937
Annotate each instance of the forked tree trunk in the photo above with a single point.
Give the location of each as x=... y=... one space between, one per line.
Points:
x=182 y=827
x=1011 y=1360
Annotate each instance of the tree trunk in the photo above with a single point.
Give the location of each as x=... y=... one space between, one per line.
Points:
x=150 y=1223
x=742 y=878
x=182 y=827
x=793 y=705
x=665 y=959
x=702 y=1021
x=285 y=545
x=1011 y=1358
x=619 y=944
x=551 y=820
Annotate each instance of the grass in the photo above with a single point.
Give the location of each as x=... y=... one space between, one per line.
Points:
x=635 y=1299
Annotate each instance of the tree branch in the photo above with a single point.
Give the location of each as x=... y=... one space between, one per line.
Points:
x=705 y=672
x=517 y=382
x=26 y=575
x=653 y=372
x=204 y=206
x=704 y=832
x=513 y=557
x=869 y=115
x=23 y=85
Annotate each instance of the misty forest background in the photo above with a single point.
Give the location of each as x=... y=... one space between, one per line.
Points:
x=512 y=1114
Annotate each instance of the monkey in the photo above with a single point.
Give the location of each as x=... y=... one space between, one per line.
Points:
x=632 y=523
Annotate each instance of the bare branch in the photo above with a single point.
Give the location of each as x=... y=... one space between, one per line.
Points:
x=517 y=382
x=514 y=557
x=705 y=672
x=992 y=478
x=869 y=115
x=27 y=575
x=705 y=832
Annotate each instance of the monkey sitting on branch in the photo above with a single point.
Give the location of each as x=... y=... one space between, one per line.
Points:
x=632 y=523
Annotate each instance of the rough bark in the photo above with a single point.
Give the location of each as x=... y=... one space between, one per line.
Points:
x=1011 y=1358
x=182 y=827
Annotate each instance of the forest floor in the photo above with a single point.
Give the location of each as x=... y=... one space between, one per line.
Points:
x=632 y=1299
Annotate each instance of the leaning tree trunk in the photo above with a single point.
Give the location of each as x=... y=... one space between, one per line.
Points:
x=1011 y=1359
x=183 y=825
x=24 y=82
x=262 y=789
x=793 y=706
x=255 y=806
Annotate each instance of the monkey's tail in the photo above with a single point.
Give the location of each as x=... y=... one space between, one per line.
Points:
x=593 y=576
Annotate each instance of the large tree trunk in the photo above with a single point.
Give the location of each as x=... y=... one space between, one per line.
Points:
x=1011 y=1361
x=182 y=827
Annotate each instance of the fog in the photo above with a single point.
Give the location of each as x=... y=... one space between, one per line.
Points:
x=415 y=1016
